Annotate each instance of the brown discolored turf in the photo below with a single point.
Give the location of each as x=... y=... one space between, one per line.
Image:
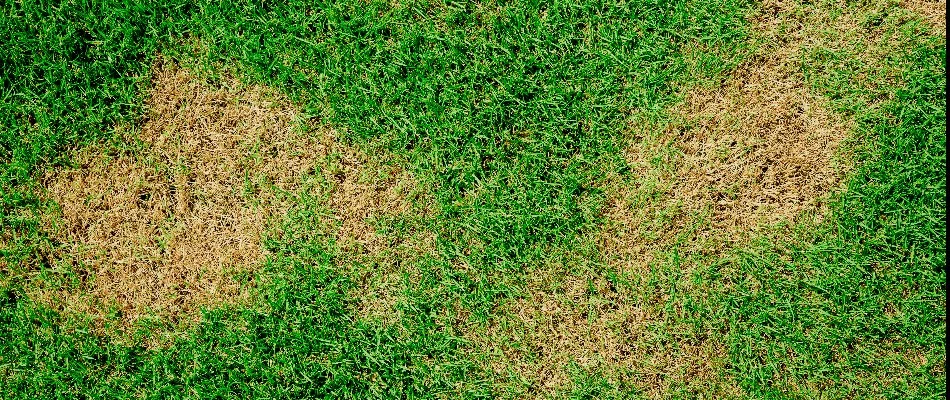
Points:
x=176 y=223
x=366 y=194
x=760 y=149
x=167 y=228
x=934 y=12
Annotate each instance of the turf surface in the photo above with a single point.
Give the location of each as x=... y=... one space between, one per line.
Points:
x=509 y=113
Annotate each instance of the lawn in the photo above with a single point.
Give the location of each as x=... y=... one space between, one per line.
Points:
x=499 y=199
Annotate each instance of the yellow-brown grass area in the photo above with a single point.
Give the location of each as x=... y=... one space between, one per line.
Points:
x=932 y=11
x=175 y=221
x=168 y=227
x=367 y=195
x=755 y=155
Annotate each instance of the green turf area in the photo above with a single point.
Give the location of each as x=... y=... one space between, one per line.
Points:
x=509 y=115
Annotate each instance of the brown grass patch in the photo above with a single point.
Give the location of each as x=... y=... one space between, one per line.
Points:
x=588 y=321
x=757 y=151
x=366 y=195
x=932 y=11
x=366 y=189
x=727 y=161
x=572 y=319
x=167 y=228
x=170 y=227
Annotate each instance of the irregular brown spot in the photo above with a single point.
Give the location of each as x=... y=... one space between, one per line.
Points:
x=932 y=11
x=757 y=150
x=562 y=321
x=167 y=228
x=368 y=193
x=571 y=318
x=365 y=189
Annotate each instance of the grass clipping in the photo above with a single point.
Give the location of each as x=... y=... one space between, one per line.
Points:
x=170 y=226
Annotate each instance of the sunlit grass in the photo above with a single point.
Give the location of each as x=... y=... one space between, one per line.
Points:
x=512 y=118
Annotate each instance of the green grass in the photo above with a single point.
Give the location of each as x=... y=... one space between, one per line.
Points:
x=510 y=113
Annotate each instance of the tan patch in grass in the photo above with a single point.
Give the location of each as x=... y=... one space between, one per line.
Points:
x=366 y=193
x=761 y=148
x=754 y=152
x=165 y=230
x=562 y=321
x=580 y=318
x=366 y=189
x=932 y=11
x=758 y=150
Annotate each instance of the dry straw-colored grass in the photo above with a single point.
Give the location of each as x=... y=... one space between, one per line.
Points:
x=759 y=150
x=571 y=317
x=176 y=224
x=365 y=189
x=165 y=229
x=933 y=12
x=365 y=194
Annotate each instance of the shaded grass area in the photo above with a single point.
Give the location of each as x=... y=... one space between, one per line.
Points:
x=509 y=112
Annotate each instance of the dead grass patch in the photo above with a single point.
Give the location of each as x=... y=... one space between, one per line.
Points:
x=167 y=228
x=933 y=12
x=590 y=322
x=759 y=150
x=619 y=329
x=366 y=189
x=176 y=224
x=368 y=194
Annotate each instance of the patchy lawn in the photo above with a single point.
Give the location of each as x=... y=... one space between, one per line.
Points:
x=481 y=200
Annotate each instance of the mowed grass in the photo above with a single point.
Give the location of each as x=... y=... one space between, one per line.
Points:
x=861 y=298
x=508 y=115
